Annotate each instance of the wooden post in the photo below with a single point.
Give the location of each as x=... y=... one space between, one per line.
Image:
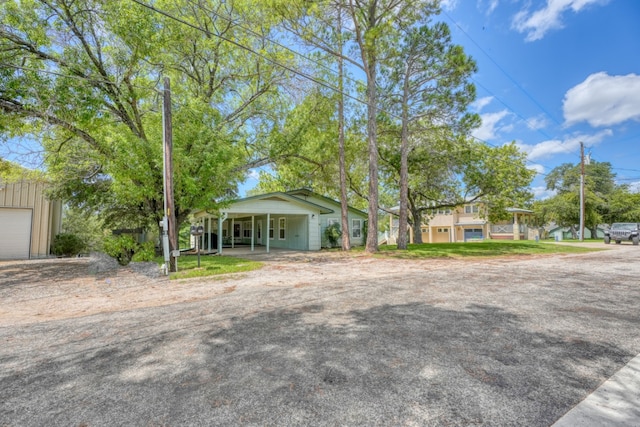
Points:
x=168 y=174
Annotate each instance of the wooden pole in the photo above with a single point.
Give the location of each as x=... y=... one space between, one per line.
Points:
x=168 y=175
x=581 y=191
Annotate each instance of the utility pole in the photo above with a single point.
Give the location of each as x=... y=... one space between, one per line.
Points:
x=170 y=240
x=581 y=191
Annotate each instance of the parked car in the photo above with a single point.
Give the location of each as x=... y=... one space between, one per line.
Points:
x=623 y=231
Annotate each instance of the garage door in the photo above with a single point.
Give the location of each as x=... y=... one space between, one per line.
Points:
x=472 y=234
x=15 y=233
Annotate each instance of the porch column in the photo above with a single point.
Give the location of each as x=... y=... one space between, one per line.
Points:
x=268 y=230
x=516 y=227
x=253 y=226
x=220 y=220
x=208 y=228
x=201 y=237
x=233 y=233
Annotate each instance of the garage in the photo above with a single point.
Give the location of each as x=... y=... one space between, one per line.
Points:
x=16 y=233
x=472 y=234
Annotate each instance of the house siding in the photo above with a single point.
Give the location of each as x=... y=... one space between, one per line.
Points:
x=305 y=217
x=325 y=218
x=315 y=240
x=459 y=225
x=46 y=214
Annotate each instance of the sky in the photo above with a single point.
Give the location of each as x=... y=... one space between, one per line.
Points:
x=552 y=74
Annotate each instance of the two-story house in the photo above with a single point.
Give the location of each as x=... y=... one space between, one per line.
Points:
x=468 y=223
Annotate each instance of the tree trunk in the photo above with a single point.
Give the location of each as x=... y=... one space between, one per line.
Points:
x=404 y=168
x=416 y=215
x=574 y=233
x=346 y=242
x=372 y=129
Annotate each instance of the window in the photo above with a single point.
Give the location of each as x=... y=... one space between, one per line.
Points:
x=424 y=230
x=246 y=229
x=471 y=209
x=282 y=224
x=443 y=211
x=356 y=228
x=236 y=230
x=271 y=229
x=259 y=231
x=332 y=221
x=443 y=230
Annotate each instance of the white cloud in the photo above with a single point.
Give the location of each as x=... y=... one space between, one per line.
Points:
x=492 y=6
x=536 y=123
x=536 y=24
x=479 y=104
x=448 y=4
x=634 y=186
x=540 y=193
x=536 y=167
x=603 y=100
x=551 y=147
x=489 y=127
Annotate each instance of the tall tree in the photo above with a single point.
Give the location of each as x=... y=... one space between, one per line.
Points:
x=376 y=26
x=82 y=75
x=428 y=88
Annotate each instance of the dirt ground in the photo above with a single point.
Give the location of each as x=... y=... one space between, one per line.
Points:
x=316 y=339
x=53 y=289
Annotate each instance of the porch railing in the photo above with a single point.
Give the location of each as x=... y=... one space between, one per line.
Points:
x=507 y=228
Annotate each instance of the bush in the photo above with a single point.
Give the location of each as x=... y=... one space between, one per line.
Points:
x=333 y=234
x=144 y=252
x=67 y=244
x=121 y=247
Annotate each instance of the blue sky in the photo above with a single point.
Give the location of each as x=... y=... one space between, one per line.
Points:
x=553 y=73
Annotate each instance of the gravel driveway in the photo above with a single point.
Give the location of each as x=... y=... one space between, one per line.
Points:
x=316 y=339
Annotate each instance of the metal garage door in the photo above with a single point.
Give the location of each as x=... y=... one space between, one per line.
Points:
x=472 y=234
x=15 y=233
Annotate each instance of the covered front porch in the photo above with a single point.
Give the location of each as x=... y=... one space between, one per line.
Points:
x=274 y=220
x=515 y=229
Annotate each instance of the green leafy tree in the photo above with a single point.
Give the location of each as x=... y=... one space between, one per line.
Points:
x=82 y=76
x=428 y=89
x=604 y=199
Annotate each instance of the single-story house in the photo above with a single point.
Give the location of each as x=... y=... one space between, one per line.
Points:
x=28 y=220
x=288 y=220
x=467 y=223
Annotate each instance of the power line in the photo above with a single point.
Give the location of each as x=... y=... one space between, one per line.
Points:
x=270 y=40
x=249 y=49
x=518 y=85
x=515 y=82
x=237 y=44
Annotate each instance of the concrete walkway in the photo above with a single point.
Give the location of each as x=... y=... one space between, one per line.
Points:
x=616 y=403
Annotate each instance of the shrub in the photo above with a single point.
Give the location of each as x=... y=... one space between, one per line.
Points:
x=333 y=234
x=67 y=244
x=120 y=247
x=144 y=252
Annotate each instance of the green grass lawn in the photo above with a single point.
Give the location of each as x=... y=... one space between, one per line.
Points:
x=216 y=265
x=210 y=266
x=487 y=248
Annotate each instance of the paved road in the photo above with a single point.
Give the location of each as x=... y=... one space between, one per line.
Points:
x=501 y=342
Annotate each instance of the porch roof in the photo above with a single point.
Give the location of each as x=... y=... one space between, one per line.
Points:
x=470 y=223
x=270 y=203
